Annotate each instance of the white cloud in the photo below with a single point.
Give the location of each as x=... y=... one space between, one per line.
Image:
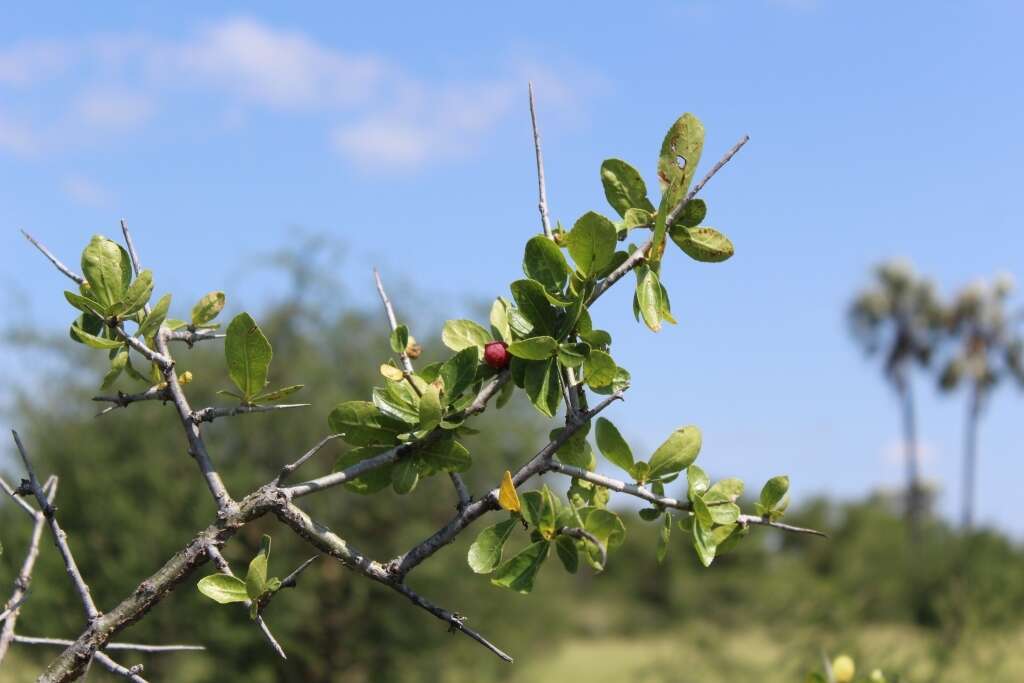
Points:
x=114 y=108
x=29 y=62
x=17 y=138
x=378 y=114
x=85 y=191
x=283 y=69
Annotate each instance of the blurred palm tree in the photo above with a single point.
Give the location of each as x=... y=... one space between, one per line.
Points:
x=988 y=347
x=899 y=318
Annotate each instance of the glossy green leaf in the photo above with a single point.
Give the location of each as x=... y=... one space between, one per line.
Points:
x=772 y=495
x=117 y=366
x=399 y=339
x=575 y=450
x=361 y=424
x=565 y=547
x=723 y=513
x=152 y=322
x=664 y=535
x=518 y=573
x=462 y=334
x=648 y=298
x=623 y=187
x=702 y=542
x=543 y=385
x=607 y=526
x=370 y=482
x=701 y=512
x=499 y=320
x=534 y=348
x=256 y=577
x=430 y=408
x=92 y=340
x=544 y=262
x=223 y=588
x=459 y=372
x=612 y=445
x=208 y=308
x=397 y=400
x=485 y=552
x=404 y=476
x=137 y=294
x=697 y=482
x=532 y=304
x=677 y=452
x=599 y=369
x=727 y=490
x=444 y=455
x=573 y=355
x=591 y=242
x=108 y=270
x=85 y=304
x=703 y=243
x=248 y=355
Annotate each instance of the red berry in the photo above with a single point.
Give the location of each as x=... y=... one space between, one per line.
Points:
x=496 y=355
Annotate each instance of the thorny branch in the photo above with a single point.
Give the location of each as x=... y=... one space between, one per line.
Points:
x=277 y=499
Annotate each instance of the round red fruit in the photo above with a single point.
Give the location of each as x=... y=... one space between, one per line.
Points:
x=496 y=354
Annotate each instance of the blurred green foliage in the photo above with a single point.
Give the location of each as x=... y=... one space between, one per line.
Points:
x=130 y=496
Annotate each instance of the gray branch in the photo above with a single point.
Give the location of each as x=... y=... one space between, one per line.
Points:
x=288 y=469
x=60 y=538
x=78 y=279
x=224 y=568
x=542 y=203
x=132 y=674
x=134 y=647
x=212 y=413
x=123 y=400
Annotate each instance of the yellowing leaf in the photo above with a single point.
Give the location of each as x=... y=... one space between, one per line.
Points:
x=507 y=496
x=391 y=372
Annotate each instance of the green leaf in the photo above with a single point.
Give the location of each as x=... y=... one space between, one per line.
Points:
x=532 y=507
x=648 y=298
x=256 y=577
x=459 y=372
x=248 y=355
x=680 y=154
x=404 y=476
x=599 y=369
x=533 y=305
x=92 y=340
x=519 y=572
x=663 y=538
x=137 y=295
x=462 y=334
x=543 y=385
x=696 y=482
x=701 y=512
x=117 y=366
x=534 y=348
x=361 y=424
x=430 y=408
x=607 y=526
x=636 y=218
x=591 y=242
x=727 y=490
x=485 y=553
x=399 y=339
x=703 y=243
x=397 y=400
x=575 y=450
x=677 y=452
x=565 y=547
x=723 y=513
x=544 y=262
x=573 y=355
x=152 y=322
x=613 y=446
x=370 y=482
x=623 y=187
x=444 y=455
x=772 y=495
x=499 y=320
x=223 y=588
x=277 y=394
x=640 y=471
x=598 y=339
x=85 y=304
x=208 y=308
x=703 y=542
x=108 y=270
x=693 y=213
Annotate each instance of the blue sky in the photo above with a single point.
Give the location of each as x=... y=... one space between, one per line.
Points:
x=877 y=130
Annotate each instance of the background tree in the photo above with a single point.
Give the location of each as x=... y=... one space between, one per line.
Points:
x=898 y=318
x=988 y=348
